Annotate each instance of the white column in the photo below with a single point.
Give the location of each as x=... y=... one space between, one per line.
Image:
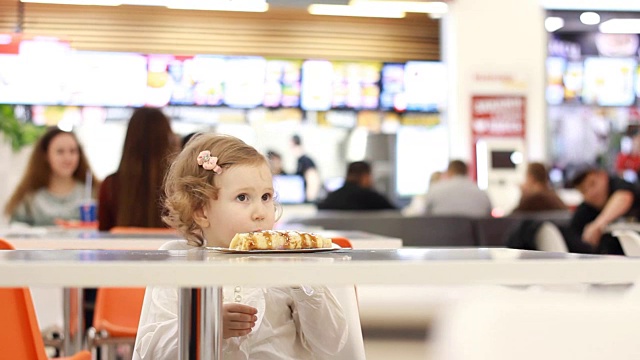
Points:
x=501 y=38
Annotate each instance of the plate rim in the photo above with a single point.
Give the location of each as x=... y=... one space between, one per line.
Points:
x=274 y=251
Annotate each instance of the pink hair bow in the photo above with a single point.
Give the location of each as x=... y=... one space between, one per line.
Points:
x=209 y=162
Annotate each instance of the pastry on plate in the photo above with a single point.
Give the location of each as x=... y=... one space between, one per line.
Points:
x=278 y=240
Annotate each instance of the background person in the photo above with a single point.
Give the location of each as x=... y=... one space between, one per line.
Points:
x=606 y=199
x=418 y=202
x=537 y=194
x=357 y=193
x=131 y=196
x=53 y=185
x=306 y=168
x=457 y=194
x=275 y=163
x=217 y=187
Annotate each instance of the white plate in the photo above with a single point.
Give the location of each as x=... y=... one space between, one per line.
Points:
x=283 y=251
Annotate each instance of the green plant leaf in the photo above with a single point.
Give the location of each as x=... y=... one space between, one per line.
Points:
x=19 y=133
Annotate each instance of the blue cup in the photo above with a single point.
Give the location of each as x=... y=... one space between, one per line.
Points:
x=88 y=212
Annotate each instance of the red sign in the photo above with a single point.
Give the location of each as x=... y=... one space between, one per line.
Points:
x=500 y=116
x=497 y=116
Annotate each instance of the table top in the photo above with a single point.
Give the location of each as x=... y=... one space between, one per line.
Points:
x=56 y=238
x=200 y=267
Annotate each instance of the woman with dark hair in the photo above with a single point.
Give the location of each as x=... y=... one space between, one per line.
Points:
x=52 y=186
x=132 y=195
x=537 y=194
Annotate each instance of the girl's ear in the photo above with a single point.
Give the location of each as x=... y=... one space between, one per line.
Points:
x=201 y=217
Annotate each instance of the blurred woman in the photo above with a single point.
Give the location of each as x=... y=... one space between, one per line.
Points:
x=537 y=194
x=53 y=185
x=131 y=196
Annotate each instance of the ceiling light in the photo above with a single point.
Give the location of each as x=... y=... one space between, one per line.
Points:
x=590 y=18
x=435 y=7
x=77 y=2
x=220 y=5
x=582 y=5
x=347 y=10
x=620 y=26
x=553 y=23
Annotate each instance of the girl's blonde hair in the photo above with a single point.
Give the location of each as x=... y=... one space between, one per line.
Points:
x=188 y=186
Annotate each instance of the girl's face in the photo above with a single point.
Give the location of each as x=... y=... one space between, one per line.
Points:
x=245 y=203
x=63 y=155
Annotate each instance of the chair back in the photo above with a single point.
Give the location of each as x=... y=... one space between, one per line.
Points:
x=549 y=238
x=5 y=245
x=117 y=311
x=342 y=242
x=19 y=334
x=629 y=240
x=499 y=325
x=142 y=230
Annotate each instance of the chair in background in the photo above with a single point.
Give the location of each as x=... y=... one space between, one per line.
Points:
x=48 y=304
x=20 y=336
x=494 y=231
x=116 y=318
x=629 y=240
x=438 y=231
x=142 y=230
x=342 y=242
x=5 y=245
x=549 y=238
x=498 y=324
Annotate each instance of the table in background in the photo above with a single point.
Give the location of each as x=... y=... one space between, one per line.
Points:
x=210 y=270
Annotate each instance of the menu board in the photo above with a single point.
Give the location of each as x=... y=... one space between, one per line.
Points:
x=35 y=75
x=392 y=87
x=609 y=81
x=425 y=85
x=556 y=67
x=340 y=85
x=244 y=82
x=356 y=85
x=166 y=81
x=282 y=83
x=105 y=79
x=317 y=85
x=573 y=80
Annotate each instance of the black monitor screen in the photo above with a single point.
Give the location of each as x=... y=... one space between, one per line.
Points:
x=502 y=160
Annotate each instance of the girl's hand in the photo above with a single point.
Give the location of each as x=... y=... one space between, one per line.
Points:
x=237 y=319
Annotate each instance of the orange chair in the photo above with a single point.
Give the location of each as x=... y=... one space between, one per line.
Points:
x=20 y=336
x=5 y=245
x=116 y=317
x=141 y=230
x=342 y=242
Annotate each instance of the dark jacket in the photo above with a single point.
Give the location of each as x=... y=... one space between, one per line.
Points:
x=353 y=197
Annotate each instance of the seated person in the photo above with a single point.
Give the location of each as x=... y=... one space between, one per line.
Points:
x=537 y=194
x=418 y=202
x=455 y=194
x=357 y=193
x=605 y=199
x=275 y=163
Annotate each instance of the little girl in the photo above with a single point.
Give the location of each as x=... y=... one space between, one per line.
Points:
x=219 y=186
